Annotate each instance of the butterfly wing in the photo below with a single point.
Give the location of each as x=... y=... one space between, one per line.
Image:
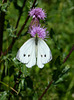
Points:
x=44 y=54
x=26 y=53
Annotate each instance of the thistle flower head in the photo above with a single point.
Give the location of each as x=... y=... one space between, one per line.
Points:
x=37 y=12
x=34 y=22
x=41 y=32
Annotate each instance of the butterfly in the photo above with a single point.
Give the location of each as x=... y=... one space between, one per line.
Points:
x=34 y=51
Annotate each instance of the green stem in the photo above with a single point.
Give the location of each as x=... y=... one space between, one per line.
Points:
x=9 y=87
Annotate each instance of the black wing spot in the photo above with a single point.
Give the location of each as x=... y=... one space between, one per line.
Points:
x=44 y=55
x=28 y=55
x=50 y=57
x=41 y=55
x=24 y=55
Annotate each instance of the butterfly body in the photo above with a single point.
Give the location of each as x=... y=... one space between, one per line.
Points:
x=34 y=51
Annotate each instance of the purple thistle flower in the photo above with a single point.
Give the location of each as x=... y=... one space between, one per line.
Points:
x=34 y=22
x=37 y=12
x=39 y=31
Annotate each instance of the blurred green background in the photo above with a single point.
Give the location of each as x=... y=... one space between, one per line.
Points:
x=33 y=81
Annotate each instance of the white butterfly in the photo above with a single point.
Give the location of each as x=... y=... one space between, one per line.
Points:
x=35 y=50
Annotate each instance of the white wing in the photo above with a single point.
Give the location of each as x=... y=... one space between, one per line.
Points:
x=26 y=53
x=44 y=54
